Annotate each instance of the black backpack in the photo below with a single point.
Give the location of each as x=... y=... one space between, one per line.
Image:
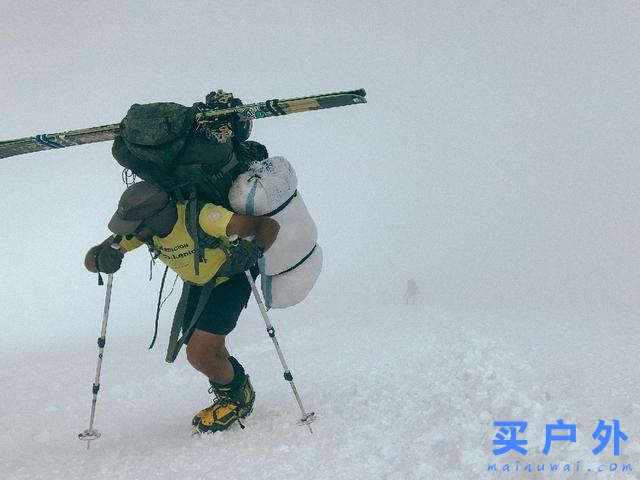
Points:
x=160 y=143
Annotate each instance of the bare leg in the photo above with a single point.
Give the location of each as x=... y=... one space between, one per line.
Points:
x=207 y=353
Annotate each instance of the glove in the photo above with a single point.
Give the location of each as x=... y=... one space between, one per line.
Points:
x=108 y=259
x=244 y=255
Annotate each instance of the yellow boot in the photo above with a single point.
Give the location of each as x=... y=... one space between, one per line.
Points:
x=232 y=403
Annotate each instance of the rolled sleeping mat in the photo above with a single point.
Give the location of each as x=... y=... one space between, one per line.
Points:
x=264 y=187
x=291 y=287
x=296 y=238
x=269 y=188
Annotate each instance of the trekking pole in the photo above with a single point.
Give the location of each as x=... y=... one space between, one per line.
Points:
x=307 y=418
x=91 y=433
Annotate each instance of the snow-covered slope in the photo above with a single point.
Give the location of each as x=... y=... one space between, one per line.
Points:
x=400 y=392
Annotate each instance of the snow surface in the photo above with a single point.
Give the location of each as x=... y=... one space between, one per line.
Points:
x=496 y=162
x=400 y=392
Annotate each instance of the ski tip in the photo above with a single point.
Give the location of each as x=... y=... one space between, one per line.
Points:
x=358 y=95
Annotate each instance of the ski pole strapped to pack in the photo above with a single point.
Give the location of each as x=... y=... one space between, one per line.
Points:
x=291 y=266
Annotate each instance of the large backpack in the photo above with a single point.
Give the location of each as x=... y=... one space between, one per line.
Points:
x=160 y=143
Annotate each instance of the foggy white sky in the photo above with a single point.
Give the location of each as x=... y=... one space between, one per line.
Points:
x=496 y=161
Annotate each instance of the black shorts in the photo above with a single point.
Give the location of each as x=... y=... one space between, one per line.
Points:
x=224 y=306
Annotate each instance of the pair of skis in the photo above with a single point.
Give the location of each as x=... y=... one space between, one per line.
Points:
x=269 y=108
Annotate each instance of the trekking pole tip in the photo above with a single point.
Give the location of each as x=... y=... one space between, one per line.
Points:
x=307 y=419
x=88 y=436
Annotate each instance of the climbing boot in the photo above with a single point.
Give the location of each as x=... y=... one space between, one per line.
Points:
x=233 y=402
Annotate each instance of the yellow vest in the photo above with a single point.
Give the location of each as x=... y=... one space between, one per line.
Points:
x=177 y=249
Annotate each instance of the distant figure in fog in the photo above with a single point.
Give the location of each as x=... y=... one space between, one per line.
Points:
x=411 y=293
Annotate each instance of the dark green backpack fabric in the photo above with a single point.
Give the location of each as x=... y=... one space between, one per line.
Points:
x=157 y=132
x=159 y=143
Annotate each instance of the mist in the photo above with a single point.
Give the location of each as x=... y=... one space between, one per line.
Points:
x=495 y=160
x=495 y=163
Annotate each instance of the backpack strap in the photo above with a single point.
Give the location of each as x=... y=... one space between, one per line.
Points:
x=239 y=254
x=283 y=206
x=192 y=212
x=201 y=239
x=176 y=343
